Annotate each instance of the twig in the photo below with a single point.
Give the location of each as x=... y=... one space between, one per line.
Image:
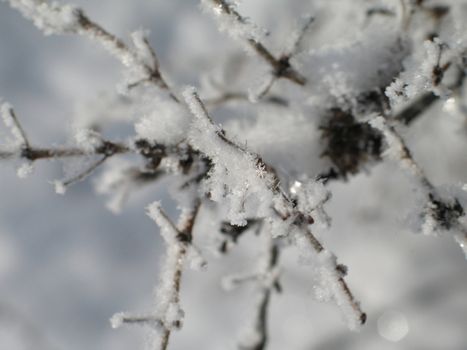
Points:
x=127 y=57
x=239 y=96
x=285 y=211
x=38 y=153
x=281 y=66
x=267 y=283
x=81 y=176
x=439 y=214
x=178 y=239
x=11 y=120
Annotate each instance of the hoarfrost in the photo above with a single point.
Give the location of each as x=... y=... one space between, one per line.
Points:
x=59 y=187
x=87 y=139
x=236 y=177
x=25 y=169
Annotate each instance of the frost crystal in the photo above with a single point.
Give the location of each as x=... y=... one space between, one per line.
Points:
x=331 y=279
x=117 y=320
x=25 y=170
x=88 y=139
x=174 y=315
x=347 y=69
x=59 y=186
x=236 y=178
x=168 y=230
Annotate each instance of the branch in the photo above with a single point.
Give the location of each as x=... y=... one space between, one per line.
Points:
x=11 y=121
x=281 y=67
x=248 y=168
x=439 y=214
x=60 y=186
x=53 y=18
x=178 y=240
x=239 y=96
x=256 y=337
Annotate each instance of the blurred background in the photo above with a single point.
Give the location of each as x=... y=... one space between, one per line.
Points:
x=67 y=264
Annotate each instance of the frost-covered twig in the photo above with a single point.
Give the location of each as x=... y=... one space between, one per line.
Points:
x=296 y=42
x=176 y=239
x=255 y=336
x=236 y=24
x=24 y=150
x=60 y=186
x=294 y=47
x=439 y=214
x=38 y=153
x=249 y=176
x=11 y=121
x=398 y=151
x=168 y=314
x=54 y=18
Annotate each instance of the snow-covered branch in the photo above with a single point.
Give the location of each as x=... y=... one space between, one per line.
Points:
x=440 y=214
x=239 y=176
x=239 y=27
x=168 y=314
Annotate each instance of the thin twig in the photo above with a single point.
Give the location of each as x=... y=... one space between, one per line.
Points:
x=6 y=108
x=81 y=176
x=182 y=241
x=113 y=44
x=260 y=319
x=281 y=67
x=439 y=213
x=239 y=96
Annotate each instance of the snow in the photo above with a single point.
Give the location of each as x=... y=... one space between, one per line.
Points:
x=59 y=187
x=346 y=69
x=166 y=123
x=235 y=178
x=88 y=139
